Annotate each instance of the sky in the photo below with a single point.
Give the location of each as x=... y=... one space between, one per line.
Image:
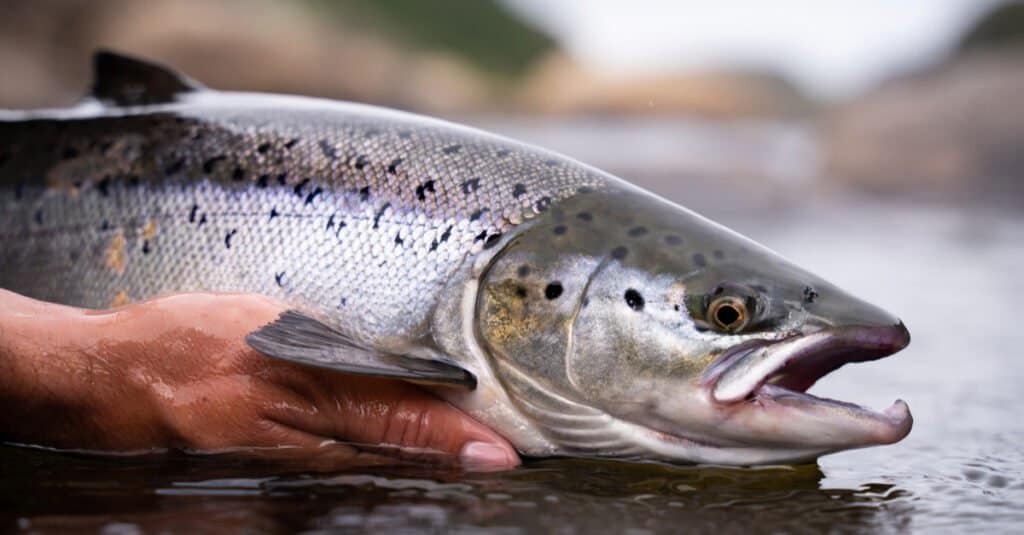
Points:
x=831 y=48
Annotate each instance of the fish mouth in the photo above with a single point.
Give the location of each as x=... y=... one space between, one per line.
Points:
x=773 y=377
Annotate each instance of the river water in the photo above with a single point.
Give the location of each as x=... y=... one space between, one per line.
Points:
x=952 y=272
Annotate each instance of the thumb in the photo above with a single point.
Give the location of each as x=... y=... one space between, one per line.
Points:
x=405 y=417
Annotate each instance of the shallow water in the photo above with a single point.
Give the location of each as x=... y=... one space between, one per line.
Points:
x=952 y=273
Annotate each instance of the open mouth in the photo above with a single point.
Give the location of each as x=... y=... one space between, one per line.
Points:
x=778 y=374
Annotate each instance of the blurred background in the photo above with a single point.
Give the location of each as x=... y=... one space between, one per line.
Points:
x=878 y=143
x=923 y=98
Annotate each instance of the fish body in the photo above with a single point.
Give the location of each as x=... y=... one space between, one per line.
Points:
x=572 y=312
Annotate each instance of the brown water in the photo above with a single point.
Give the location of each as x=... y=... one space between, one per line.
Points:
x=955 y=276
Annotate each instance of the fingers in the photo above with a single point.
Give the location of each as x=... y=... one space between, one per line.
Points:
x=400 y=419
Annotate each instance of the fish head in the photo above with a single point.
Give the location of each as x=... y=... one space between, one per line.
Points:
x=688 y=341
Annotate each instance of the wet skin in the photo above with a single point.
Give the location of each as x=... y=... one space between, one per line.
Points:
x=174 y=372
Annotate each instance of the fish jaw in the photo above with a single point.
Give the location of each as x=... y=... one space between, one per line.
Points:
x=761 y=390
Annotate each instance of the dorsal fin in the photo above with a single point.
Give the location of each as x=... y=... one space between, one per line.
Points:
x=126 y=81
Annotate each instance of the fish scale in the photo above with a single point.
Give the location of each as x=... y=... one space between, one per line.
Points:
x=372 y=247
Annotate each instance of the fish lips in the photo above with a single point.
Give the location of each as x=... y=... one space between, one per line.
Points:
x=763 y=384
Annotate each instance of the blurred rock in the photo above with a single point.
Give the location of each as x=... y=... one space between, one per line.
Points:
x=953 y=131
x=560 y=85
x=396 y=53
x=45 y=47
x=1003 y=27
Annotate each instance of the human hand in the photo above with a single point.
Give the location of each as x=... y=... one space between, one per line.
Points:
x=175 y=372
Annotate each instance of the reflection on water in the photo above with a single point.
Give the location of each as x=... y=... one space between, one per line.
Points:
x=55 y=492
x=952 y=273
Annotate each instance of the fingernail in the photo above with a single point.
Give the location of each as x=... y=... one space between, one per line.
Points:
x=484 y=457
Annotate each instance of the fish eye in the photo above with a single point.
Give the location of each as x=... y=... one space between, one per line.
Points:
x=728 y=313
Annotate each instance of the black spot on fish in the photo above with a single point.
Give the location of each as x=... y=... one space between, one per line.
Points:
x=210 y=163
x=145 y=247
x=502 y=153
x=380 y=213
x=444 y=237
x=282 y=179
x=274 y=213
x=360 y=162
x=38 y=217
x=291 y=143
x=175 y=167
x=422 y=189
x=542 y=204
x=298 y=187
x=672 y=239
x=344 y=301
x=523 y=271
x=700 y=260
x=228 y=236
x=398 y=238
x=313 y=195
x=553 y=290
x=105 y=225
x=238 y=174
x=263 y=148
x=202 y=220
x=636 y=232
x=619 y=252
x=192 y=213
x=809 y=294
x=452 y=149
x=521 y=292
x=103 y=186
x=584 y=216
x=404 y=134
x=718 y=254
x=69 y=153
x=477 y=214
x=393 y=166
x=584 y=189
x=364 y=193
x=634 y=300
x=470 y=185
x=279 y=278
x=492 y=240
x=559 y=230
x=328 y=149
x=551 y=163
x=330 y=222
x=518 y=190
x=263 y=181
x=481 y=236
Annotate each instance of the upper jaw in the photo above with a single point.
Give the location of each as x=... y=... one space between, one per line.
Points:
x=770 y=378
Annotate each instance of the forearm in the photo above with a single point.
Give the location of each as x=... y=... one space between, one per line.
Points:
x=55 y=388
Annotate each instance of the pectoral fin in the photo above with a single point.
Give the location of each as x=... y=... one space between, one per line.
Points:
x=299 y=338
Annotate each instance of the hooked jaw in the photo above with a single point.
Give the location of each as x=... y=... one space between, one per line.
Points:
x=761 y=389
